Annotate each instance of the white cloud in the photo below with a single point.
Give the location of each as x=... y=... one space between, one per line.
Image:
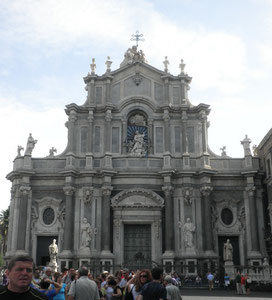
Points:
x=47 y=126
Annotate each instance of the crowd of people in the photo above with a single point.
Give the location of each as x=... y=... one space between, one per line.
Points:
x=26 y=283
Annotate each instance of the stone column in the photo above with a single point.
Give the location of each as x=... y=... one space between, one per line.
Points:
x=185 y=155
x=106 y=225
x=169 y=215
x=150 y=136
x=90 y=135
x=71 y=130
x=204 y=132
x=108 y=90
x=206 y=194
x=250 y=194
x=166 y=91
x=167 y=133
x=107 y=134
x=22 y=222
x=11 y=218
x=69 y=219
x=124 y=136
x=184 y=119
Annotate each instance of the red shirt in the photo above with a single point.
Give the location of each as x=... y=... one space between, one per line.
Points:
x=243 y=280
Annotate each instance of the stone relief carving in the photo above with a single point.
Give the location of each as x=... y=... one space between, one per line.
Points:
x=214 y=217
x=87 y=195
x=250 y=190
x=187 y=194
x=117 y=225
x=137 y=198
x=61 y=218
x=157 y=225
x=206 y=190
x=137 y=120
x=137 y=78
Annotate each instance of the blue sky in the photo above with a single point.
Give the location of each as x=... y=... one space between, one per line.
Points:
x=47 y=47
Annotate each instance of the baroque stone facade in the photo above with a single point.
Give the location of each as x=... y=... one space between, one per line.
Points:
x=137 y=180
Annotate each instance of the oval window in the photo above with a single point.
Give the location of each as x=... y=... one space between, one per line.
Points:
x=48 y=216
x=226 y=216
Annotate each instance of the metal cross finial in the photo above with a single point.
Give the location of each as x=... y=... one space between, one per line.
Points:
x=137 y=37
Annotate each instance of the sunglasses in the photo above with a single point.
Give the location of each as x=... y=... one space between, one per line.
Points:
x=144 y=276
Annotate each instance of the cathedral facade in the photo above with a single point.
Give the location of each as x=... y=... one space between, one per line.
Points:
x=137 y=181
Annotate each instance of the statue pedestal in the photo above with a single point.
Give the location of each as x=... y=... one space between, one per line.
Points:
x=84 y=252
x=53 y=265
x=229 y=269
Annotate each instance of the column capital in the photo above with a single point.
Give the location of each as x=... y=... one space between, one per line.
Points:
x=25 y=190
x=206 y=190
x=72 y=116
x=69 y=190
x=168 y=190
x=250 y=190
x=106 y=190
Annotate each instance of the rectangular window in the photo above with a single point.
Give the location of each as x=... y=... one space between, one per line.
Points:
x=176 y=95
x=115 y=142
x=98 y=95
x=97 y=139
x=177 y=139
x=83 y=139
x=191 y=139
x=159 y=139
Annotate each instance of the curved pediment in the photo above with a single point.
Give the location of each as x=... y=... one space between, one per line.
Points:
x=137 y=198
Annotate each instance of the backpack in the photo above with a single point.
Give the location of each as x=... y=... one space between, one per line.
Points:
x=128 y=295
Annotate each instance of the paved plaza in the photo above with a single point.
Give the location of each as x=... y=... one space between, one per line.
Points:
x=188 y=294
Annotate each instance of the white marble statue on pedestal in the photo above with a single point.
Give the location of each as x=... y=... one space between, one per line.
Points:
x=53 y=253
x=138 y=144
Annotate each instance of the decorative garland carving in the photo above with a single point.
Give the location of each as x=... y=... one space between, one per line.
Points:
x=157 y=200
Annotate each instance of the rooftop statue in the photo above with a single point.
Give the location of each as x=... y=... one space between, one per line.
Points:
x=30 y=145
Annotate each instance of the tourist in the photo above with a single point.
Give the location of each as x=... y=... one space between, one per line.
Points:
x=154 y=289
x=19 y=273
x=243 y=284
x=37 y=277
x=117 y=293
x=62 y=292
x=44 y=288
x=198 y=281
x=226 y=281
x=210 y=278
x=48 y=273
x=248 y=283
x=238 y=283
x=125 y=279
x=83 y=288
x=171 y=290
x=98 y=283
x=136 y=284
x=68 y=277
